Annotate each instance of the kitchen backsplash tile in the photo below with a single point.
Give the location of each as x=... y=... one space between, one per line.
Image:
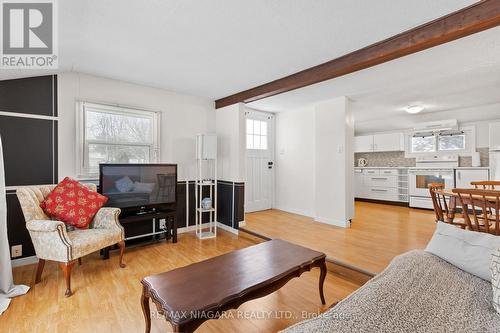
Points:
x=386 y=159
x=398 y=159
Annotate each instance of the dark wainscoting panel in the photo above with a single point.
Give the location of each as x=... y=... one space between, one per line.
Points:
x=181 y=204
x=29 y=150
x=34 y=95
x=16 y=226
x=225 y=203
x=239 y=204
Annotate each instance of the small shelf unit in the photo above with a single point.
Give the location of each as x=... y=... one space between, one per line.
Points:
x=206 y=186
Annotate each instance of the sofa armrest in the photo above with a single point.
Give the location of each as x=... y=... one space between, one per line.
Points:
x=107 y=218
x=44 y=225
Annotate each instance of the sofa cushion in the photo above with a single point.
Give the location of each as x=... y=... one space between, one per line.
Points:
x=91 y=240
x=468 y=250
x=73 y=203
x=495 y=279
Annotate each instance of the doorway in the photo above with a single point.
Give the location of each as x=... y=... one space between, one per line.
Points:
x=259 y=189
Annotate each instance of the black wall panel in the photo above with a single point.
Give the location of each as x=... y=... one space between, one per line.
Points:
x=34 y=95
x=29 y=151
x=29 y=144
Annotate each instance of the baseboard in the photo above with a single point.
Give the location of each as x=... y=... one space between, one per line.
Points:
x=227 y=228
x=24 y=261
x=338 y=223
x=242 y=224
x=295 y=211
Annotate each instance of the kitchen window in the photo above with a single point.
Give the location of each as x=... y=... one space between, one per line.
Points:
x=111 y=134
x=453 y=141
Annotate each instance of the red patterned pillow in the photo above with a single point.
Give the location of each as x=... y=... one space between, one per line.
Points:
x=73 y=203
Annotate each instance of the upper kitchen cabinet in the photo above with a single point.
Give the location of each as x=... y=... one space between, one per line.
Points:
x=495 y=136
x=379 y=143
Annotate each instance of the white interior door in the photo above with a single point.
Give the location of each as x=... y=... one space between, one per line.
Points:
x=259 y=187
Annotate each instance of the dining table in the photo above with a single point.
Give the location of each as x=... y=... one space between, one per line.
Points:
x=454 y=201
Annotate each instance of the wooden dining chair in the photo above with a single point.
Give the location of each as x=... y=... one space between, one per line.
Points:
x=486 y=184
x=438 y=201
x=441 y=207
x=483 y=206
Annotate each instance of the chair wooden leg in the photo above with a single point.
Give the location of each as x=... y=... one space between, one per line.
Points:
x=39 y=270
x=66 y=268
x=122 y=250
x=80 y=261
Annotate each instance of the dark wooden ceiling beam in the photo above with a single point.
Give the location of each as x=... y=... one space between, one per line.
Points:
x=467 y=21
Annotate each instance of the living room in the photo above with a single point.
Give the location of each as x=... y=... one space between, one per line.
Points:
x=158 y=169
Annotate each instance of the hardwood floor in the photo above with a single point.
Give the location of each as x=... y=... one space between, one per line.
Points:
x=107 y=298
x=378 y=233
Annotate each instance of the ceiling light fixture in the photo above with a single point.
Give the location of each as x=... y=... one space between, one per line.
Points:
x=414 y=109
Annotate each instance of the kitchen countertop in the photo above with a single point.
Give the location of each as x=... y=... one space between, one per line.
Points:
x=369 y=167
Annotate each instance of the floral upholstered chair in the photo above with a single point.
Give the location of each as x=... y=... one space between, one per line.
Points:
x=52 y=241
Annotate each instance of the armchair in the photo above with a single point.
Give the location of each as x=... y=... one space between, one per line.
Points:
x=53 y=242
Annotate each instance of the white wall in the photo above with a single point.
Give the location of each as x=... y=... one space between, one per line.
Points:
x=230 y=129
x=314 y=162
x=334 y=201
x=295 y=160
x=182 y=117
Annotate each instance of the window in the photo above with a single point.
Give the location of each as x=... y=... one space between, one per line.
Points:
x=452 y=141
x=423 y=143
x=117 y=135
x=256 y=134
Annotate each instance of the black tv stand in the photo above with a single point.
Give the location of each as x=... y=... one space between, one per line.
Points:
x=148 y=224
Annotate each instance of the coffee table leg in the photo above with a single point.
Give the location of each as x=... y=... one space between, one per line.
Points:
x=147 y=313
x=322 y=277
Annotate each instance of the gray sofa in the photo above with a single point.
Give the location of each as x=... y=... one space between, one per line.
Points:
x=417 y=292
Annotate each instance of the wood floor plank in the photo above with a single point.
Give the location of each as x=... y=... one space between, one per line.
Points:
x=107 y=298
x=378 y=233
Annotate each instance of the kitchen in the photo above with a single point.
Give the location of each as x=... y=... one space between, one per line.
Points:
x=396 y=167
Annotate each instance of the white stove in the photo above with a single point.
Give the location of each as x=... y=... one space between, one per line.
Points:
x=430 y=169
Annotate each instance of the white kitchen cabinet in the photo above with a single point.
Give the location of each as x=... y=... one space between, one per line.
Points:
x=379 y=143
x=464 y=177
x=385 y=184
x=495 y=136
x=359 y=189
x=363 y=144
x=388 y=142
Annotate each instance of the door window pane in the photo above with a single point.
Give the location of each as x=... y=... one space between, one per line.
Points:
x=256 y=134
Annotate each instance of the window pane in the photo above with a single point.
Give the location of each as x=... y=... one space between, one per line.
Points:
x=256 y=142
x=263 y=142
x=120 y=128
x=423 y=144
x=249 y=141
x=256 y=127
x=263 y=128
x=452 y=142
x=103 y=153
x=249 y=126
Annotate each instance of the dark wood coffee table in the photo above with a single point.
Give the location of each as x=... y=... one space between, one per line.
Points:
x=190 y=295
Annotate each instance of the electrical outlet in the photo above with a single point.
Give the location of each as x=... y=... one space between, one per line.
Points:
x=163 y=224
x=16 y=251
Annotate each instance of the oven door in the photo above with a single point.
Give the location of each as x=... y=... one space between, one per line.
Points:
x=420 y=180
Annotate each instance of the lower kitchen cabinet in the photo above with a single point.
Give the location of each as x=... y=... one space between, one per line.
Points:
x=385 y=184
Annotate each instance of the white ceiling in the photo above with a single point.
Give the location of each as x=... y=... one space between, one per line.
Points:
x=458 y=80
x=214 y=48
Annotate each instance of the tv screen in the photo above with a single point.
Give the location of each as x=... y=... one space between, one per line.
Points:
x=131 y=185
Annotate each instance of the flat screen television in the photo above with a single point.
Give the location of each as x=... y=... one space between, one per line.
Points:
x=138 y=185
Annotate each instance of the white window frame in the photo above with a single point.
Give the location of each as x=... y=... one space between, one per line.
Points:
x=470 y=144
x=81 y=143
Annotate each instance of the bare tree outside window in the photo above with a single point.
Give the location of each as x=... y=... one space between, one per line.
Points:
x=117 y=137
